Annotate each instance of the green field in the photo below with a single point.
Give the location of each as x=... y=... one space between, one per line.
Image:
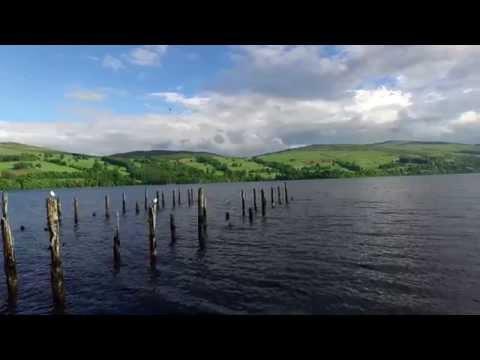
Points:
x=24 y=166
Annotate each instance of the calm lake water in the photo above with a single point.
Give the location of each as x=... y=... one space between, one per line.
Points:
x=396 y=245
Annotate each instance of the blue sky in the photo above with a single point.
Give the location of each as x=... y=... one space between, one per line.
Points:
x=236 y=100
x=35 y=80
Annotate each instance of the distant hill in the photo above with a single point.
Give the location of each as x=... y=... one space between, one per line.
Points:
x=25 y=166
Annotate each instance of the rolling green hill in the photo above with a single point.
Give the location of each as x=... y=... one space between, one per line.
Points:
x=24 y=166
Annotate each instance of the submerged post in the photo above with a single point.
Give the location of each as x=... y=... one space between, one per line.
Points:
x=137 y=208
x=202 y=234
x=173 y=198
x=250 y=215
x=146 y=200
x=124 y=203
x=56 y=260
x=173 y=229
x=9 y=262
x=286 y=193
x=242 y=195
x=279 y=195
x=75 y=210
x=116 y=242
x=264 y=202
x=163 y=200
x=4 y=204
x=151 y=237
x=272 y=200
x=254 y=200
x=107 y=207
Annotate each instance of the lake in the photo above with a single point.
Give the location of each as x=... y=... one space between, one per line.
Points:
x=392 y=245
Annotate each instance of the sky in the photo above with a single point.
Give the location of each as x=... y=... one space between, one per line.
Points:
x=236 y=100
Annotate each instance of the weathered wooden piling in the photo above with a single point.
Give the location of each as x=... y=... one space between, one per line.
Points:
x=9 y=262
x=137 y=208
x=254 y=200
x=179 y=199
x=227 y=216
x=188 y=197
x=146 y=200
x=173 y=229
x=59 y=210
x=75 y=210
x=151 y=235
x=264 y=202
x=250 y=215
x=272 y=200
x=193 y=196
x=242 y=195
x=124 y=203
x=279 y=195
x=163 y=201
x=202 y=230
x=286 y=192
x=157 y=196
x=107 y=207
x=5 y=204
x=58 y=289
x=116 y=242
x=173 y=198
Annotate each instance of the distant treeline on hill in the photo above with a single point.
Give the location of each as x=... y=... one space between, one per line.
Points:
x=22 y=167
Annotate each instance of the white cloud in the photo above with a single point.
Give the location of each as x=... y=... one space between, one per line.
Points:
x=148 y=55
x=86 y=95
x=467 y=118
x=433 y=97
x=112 y=63
x=174 y=97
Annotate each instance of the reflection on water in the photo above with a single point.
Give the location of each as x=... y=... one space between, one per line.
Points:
x=373 y=245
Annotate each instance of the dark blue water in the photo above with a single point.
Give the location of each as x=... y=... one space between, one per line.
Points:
x=396 y=245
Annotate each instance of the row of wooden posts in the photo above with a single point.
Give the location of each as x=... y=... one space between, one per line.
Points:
x=54 y=216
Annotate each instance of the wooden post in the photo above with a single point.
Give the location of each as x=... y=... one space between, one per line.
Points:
x=55 y=246
x=163 y=201
x=243 y=203
x=202 y=235
x=107 y=207
x=59 y=209
x=158 y=198
x=188 y=197
x=146 y=200
x=254 y=200
x=173 y=198
x=9 y=262
x=75 y=210
x=173 y=228
x=193 y=197
x=124 y=203
x=5 y=204
x=137 y=208
x=279 y=195
x=264 y=202
x=286 y=193
x=179 y=200
x=116 y=242
x=250 y=215
x=272 y=200
x=152 y=239
x=227 y=216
